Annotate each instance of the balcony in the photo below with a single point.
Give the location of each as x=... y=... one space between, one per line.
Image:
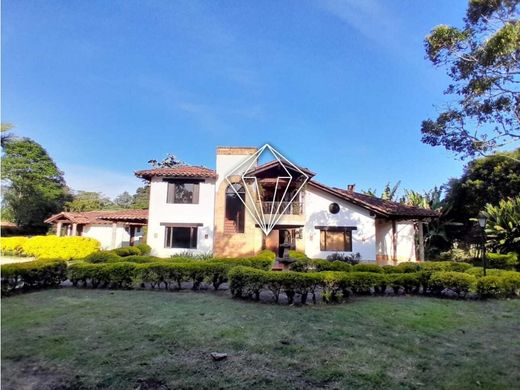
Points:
x=293 y=208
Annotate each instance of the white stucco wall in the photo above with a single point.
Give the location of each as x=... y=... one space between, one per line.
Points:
x=103 y=233
x=229 y=164
x=317 y=214
x=405 y=241
x=161 y=212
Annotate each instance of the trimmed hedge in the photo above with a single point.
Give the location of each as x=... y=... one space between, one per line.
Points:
x=507 y=261
x=102 y=257
x=327 y=265
x=127 y=251
x=32 y=274
x=12 y=246
x=145 y=249
x=362 y=267
x=458 y=282
x=61 y=248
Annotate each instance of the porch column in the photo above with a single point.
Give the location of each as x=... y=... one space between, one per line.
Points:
x=58 y=228
x=394 y=240
x=420 y=233
x=74 y=229
x=114 y=234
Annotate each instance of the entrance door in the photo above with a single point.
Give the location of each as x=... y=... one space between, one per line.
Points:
x=286 y=236
x=132 y=235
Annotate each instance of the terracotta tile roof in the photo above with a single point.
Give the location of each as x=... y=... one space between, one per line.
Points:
x=379 y=206
x=178 y=171
x=100 y=217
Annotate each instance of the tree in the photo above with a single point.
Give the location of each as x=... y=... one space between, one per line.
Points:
x=486 y=180
x=6 y=136
x=88 y=201
x=483 y=62
x=169 y=161
x=503 y=225
x=34 y=186
x=124 y=200
x=389 y=192
x=141 y=198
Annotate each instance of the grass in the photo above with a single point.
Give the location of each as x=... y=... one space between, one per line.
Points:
x=74 y=339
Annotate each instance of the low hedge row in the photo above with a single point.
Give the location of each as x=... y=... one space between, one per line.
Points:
x=157 y=274
x=32 y=274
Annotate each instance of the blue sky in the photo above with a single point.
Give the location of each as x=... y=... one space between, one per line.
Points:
x=340 y=87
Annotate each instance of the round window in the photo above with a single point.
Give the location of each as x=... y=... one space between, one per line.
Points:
x=334 y=208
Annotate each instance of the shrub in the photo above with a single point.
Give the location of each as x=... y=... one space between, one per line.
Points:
x=391 y=269
x=265 y=254
x=457 y=255
x=62 y=248
x=332 y=284
x=361 y=283
x=502 y=261
x=32 y=274
x=511 y=282
x=408 y=267
x=458 y=282
x=353 y=259
x=136 y=259
x=253 y=262
x=145 y=249
x=326 y=265
x=297 y=255
x=409 y=282
x=491 y=286
x=301 y=265
x=103 y=257
x=452 y=266
x=117 y=275
x=246 y=282
x=127 y=251
x=12 y=246
x=367 y=268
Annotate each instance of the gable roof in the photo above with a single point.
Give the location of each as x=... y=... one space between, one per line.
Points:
x=191 y=171
x=271 y=164
x=100 y=217
x=380 y=207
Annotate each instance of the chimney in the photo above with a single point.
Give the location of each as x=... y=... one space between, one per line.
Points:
x=351 y=187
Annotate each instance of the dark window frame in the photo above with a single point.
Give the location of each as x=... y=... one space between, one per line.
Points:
x=347 y=238
x=169 y=237
x=171 y=190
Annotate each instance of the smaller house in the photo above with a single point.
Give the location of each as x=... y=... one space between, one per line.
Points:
x=112 y=228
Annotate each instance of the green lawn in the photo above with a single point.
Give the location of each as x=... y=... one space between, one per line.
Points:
x=77 y=338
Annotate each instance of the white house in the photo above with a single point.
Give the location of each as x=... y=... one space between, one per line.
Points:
x=200 y=210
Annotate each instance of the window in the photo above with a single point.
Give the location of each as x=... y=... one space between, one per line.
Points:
x=180 y=237
x=336 y=239
x=182 y=192
x=235 y=209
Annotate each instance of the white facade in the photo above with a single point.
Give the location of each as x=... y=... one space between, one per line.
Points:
x=162 y=214
x=317 y=214
x=110 y=236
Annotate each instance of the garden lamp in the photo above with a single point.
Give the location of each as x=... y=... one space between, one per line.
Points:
x=482 y=220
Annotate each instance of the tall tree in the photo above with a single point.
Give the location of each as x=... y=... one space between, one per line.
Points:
x=34 y=186
x=483 y=61
x=486 y=180
x=88 y=201
x=141 y=198
x=124 y=200
x=5 y=134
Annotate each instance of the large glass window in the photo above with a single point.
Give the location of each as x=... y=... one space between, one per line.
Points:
x=235 y=209
x=337 y=240
x=182 y=192
x=180 y=237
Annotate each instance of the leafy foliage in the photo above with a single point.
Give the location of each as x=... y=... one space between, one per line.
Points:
x=88 y=201
x=63 y=248
x=34 y=186
x=503 y=226
x=32 y=274
x=482 y=59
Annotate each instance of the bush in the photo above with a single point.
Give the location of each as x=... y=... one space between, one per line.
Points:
x=62 y=248
x=409 y=282
x=103 y=257
x=452 y=266
x=32 y=274
x=353 y=259
x=367 y=268
x=511 y=283
x=116 y=275
x=491 y=286
x=265 y=254
x=507 y=261
x=301 y=265
x=458 y=282
x=456 y=255
x=246 y=282
x=297 y=255
x=145 y=249
x=12 y=246
x=409 y=267
x=127 y=251
x=261 y=262
x=326 y=265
